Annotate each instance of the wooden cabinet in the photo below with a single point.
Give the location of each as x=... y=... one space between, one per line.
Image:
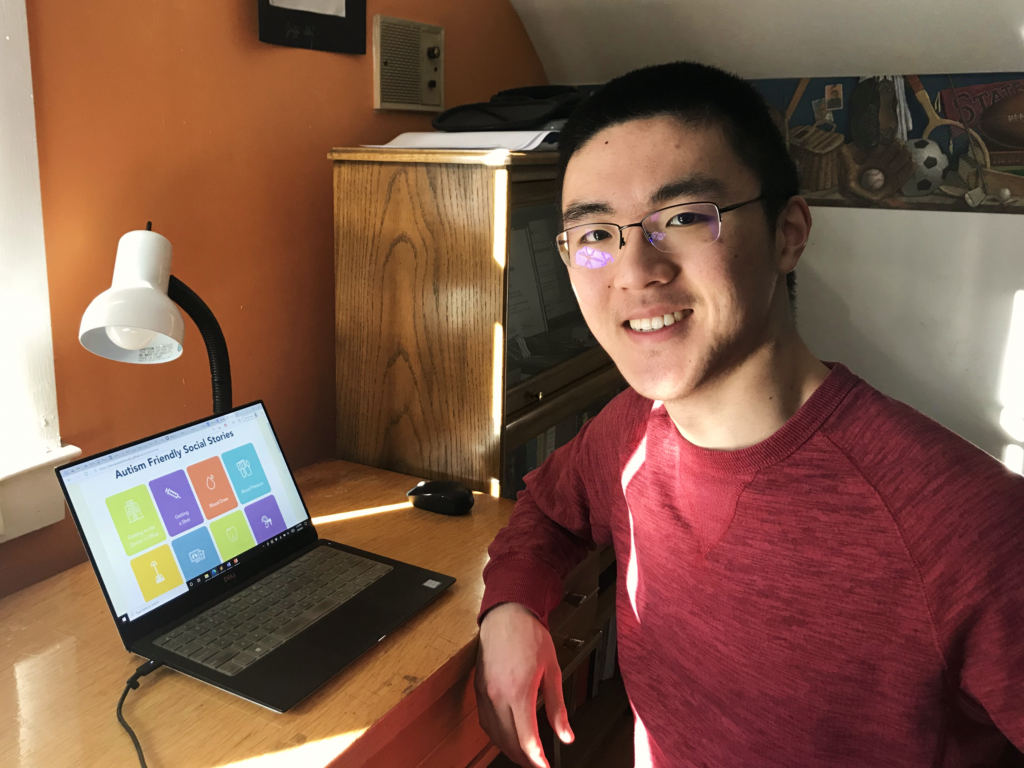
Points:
x=422 y=263
x=583 y=630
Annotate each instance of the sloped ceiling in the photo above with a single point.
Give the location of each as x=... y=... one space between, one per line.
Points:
x=591 y=41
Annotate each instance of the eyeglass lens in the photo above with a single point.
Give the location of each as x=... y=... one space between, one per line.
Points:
x=672 y=230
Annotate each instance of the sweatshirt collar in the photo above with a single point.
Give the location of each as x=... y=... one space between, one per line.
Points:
x=794 y=433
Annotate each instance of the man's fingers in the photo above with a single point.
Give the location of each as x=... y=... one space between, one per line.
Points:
x=529 y=737
x=501 y=728
x=554 y=703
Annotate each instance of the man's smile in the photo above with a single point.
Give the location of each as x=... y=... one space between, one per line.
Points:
x=655 y=322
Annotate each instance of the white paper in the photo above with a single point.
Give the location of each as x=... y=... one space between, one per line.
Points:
x=555 y=288
x=525 y=315
x=512 y=140
x=326 y=7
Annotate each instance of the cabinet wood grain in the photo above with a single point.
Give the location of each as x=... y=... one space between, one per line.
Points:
x=419 y=294
x=421 y=253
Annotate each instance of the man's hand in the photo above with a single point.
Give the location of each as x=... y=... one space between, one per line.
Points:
x=515 y=658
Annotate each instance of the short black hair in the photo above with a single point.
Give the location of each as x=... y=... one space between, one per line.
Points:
x=699 y=94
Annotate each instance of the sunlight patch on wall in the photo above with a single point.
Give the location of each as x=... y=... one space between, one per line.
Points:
x=1011 y=385
x=1013 y=458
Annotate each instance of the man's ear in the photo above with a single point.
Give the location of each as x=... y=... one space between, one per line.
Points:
x=791 y=233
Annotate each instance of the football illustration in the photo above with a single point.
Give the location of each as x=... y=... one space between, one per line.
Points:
x=931 y=166
x=1003 y=122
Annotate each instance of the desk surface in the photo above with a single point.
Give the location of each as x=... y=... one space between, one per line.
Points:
x=62 y=665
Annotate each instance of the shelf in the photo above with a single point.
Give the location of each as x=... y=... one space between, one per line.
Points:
x=592 y=723
x=529 y=422
x=541 y=385
x=494 y=157
x=617 y=747
x=535 y=191
x=605 y=606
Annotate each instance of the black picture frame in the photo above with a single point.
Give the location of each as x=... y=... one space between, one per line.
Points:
x=314 y=31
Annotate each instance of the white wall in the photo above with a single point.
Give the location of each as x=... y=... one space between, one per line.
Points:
x=592 y=41
x=917 y=303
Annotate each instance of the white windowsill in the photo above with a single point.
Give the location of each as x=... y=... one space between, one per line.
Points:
x=30 y=497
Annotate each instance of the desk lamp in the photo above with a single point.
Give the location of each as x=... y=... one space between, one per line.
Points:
x=136 y=320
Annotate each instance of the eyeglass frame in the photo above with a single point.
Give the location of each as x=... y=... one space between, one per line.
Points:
x=647 y=235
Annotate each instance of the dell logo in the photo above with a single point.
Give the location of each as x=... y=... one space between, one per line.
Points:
x=230 y=576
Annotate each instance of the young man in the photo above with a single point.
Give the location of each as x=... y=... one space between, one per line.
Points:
x=810 y=573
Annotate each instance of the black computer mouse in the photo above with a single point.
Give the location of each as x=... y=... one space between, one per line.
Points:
x=445 y=497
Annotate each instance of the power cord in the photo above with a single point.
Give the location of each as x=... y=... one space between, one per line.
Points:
x=132 y=684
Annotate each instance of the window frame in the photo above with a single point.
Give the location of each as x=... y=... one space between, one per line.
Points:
x=30 y=445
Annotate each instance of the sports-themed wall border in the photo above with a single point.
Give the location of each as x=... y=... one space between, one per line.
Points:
x=928 y=142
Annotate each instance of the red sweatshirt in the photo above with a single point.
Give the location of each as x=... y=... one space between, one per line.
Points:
x=849 y=592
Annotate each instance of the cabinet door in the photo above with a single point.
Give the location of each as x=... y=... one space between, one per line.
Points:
x=544 y=326
x=419 y=295
x=549 y=352
x=527 y=448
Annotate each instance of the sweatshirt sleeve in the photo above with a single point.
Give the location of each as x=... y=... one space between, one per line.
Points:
x=979 y=602
x=548 y=534
x=960 y=514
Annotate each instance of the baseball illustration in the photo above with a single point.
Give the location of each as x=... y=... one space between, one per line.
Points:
x=873 y=179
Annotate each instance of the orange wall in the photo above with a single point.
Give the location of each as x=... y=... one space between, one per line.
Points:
x=175 y=112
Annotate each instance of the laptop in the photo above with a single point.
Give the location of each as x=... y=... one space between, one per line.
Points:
x=209 y=561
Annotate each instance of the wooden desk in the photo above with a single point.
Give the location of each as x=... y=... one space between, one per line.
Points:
x=408 y=702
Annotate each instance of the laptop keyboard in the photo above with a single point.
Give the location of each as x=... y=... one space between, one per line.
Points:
x=237 y=632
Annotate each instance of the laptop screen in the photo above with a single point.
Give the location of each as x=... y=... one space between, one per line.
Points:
x=163 y=515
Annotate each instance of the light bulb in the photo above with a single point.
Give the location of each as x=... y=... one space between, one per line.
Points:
x=129 y=338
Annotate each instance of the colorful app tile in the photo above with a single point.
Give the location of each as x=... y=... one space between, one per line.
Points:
x=265 y=518
x=196 y=553
x=136 y=519
x=176 y=502
x=156 y=572
x=232 y=534
x=246 y=473
x=212 y=487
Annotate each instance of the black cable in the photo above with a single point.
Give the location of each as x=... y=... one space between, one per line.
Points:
x=216 y=346
x=131 y=685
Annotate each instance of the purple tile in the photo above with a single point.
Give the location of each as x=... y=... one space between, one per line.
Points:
x=176 y=502
x=265 y=518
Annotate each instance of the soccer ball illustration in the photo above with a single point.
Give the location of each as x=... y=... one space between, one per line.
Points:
x=931 y=168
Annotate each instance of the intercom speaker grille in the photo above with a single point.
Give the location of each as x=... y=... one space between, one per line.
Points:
x=408 y=64
x=400 y=74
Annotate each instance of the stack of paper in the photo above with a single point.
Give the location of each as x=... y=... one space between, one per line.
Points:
x=511 y=140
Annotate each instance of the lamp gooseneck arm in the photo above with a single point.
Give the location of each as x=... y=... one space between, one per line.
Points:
x=216 y=346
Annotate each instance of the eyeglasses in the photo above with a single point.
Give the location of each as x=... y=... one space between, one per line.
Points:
x=674 y=229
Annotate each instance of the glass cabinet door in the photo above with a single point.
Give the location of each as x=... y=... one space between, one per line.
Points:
x=526 y=457
x=544 y=326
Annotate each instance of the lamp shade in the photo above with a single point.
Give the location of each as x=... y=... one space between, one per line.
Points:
x=134 y=321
